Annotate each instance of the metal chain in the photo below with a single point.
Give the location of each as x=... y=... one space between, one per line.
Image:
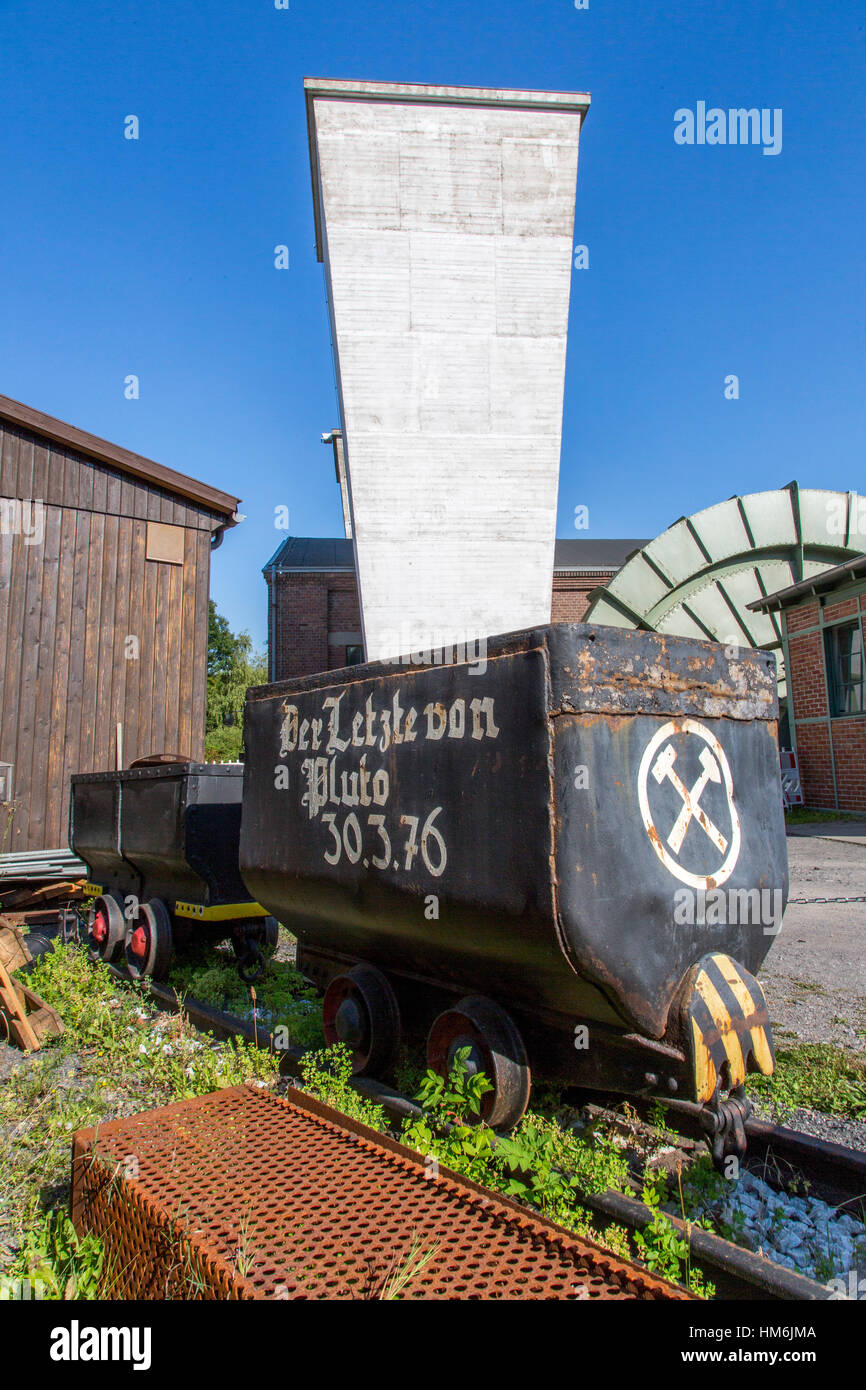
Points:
x=861 y=899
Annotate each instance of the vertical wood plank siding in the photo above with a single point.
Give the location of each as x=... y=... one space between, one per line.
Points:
x=68 y=605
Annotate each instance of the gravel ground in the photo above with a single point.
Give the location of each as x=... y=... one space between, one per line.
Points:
x=802 y=1233
x=835 y=1128
x=815 y=973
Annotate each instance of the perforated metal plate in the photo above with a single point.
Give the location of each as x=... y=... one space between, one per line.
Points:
x=242 y=1194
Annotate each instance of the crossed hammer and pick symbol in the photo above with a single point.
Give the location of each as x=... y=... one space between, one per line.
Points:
x=663 y=769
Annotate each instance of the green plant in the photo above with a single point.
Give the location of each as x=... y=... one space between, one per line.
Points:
x=456 y=1096
x=409 y=1071
x=400 y=1276
x=232 y=666
x=445 y=1131
x=244 y=1258
x=801 y=815
x=540 y=1163
x=7 y=811
x=284 y=999
x=58 y=1262
x=817 y=1076
x=118 y=1055
x=659 y=1245
x=327 y=1075
x=224 y=745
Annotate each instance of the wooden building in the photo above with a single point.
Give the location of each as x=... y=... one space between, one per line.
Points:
x=104 y=583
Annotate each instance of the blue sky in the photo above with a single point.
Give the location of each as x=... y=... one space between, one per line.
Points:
x=155 y=256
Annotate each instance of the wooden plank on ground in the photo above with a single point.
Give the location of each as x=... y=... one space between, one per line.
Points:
x=15 y=1010
x=13 y=948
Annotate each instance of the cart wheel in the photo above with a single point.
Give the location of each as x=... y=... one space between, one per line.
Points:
x=106 y=927
x=147 y=943
x=360 y=1009
x=496 y=1048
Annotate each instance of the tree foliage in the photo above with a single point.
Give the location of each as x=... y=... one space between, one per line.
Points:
x=232 y=666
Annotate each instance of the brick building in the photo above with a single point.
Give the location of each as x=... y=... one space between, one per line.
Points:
x=823 y=641
x=314 y=621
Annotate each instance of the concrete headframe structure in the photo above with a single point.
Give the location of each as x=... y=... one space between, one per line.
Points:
x=445 y=219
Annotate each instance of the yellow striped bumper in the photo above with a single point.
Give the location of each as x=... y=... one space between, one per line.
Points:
x=727 y=1026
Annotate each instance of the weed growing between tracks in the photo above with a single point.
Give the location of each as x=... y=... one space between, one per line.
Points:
x=540 y=1163
x=661 y=1247
x=117 y=1056
x=284 y=998
x=326 y=1075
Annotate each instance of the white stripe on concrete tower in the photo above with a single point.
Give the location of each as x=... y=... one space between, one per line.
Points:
x=445 y=218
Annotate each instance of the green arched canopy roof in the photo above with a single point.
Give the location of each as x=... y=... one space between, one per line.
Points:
x=698 y=576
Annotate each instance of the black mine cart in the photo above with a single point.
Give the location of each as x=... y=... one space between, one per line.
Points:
x=569 y=857
x=161 y=843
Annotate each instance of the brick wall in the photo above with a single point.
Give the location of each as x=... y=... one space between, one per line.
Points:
x=849 y=755
x=806 y=676
x=831 y=753
x=571 y=594
x=804 y=615
x=816 y=764
x=307 y=606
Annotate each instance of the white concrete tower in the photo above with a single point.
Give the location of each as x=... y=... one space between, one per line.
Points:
x=445 y=219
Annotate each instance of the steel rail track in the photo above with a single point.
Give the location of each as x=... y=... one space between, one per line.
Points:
x=839 y=1173
x=737 y=1273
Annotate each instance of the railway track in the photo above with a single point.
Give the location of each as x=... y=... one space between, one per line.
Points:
x=736 y=1272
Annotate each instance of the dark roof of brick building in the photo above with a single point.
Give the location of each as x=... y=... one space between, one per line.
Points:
x=609 y=554
x=312 y=553
x=324 y=553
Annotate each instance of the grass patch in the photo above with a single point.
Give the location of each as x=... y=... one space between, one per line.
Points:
x=117 y=1056
x=801 y=815
x=816 y=1076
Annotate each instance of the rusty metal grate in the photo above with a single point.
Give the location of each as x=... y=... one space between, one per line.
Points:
x=242 y=1194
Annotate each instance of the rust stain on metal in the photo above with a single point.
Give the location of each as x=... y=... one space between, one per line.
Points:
x=244 y=1195
x=737 y=689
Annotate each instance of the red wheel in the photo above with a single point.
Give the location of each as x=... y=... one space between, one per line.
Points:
x=147 y=944
x=105 y=928
x=495 y=1047
x=360 y=1009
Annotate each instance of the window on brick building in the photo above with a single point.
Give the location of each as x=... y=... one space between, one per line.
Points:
x=354 y=656
x=843 y=647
